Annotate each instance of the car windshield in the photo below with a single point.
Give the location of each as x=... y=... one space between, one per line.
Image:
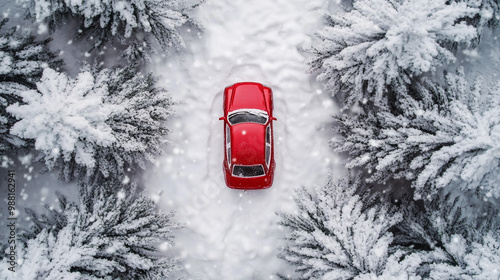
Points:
x=248 y=170
x=247 y=115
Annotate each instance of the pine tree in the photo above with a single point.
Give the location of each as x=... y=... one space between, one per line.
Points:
x=379 y=42
x=136 y=25
x=488 y=14
x=432 y=136
x=22 y=60
x=109 y=234
x=99 y=125
x=139 y=127
x=461 y=240
x=340 y=231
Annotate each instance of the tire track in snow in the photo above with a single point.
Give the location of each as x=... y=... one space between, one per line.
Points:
x=231 y=234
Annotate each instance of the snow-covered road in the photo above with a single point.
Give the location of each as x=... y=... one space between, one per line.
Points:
x=231 y=234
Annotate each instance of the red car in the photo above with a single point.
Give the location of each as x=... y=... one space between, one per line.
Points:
x=248 y=132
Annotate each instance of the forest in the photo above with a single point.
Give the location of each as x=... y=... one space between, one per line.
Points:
x=414 y=126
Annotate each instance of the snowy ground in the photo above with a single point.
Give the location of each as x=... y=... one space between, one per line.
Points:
x=232 y=234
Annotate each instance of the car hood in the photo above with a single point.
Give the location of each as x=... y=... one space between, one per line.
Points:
x=247 y=144
x=248 y=96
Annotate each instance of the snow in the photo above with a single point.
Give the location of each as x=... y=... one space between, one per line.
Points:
x=363 y=50
x=62 y=113
x=231 y=234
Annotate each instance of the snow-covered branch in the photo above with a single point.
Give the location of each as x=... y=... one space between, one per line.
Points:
x=461 y=240
x=488 y=14
x=111 y=233
x=438 y=135
x=342 y=232
x=97 y=125
x=22 y=60
x=135 y=24
x=382 y=41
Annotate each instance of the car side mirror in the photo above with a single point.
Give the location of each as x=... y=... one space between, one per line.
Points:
x=274 y=119
x=222 y=118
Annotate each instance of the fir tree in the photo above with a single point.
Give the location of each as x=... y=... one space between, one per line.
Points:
x=383 y=41
x=22 y=60
x=488 y=14
x=340 y=231
x=432 y=136
x=461 y=241
x=109 y=234
x=135 y=24
x=100 y=125
x=139 y=127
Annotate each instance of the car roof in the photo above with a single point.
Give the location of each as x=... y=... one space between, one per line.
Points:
x=248 y=143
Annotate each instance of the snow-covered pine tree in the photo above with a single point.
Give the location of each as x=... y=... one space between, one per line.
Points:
x=433 y=136
x=99 y=125
x=459 y=240
x=134 y=24
x=488 y=13
x=341 y=231
x=139 y=127
x=22 y=60
x=111 y=233
x=378 y=42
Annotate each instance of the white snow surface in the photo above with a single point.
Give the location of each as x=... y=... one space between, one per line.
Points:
x=233 y=234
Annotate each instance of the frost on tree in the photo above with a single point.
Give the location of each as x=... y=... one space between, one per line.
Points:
x=101 y=124
x=459 y=240
x=340 y=231
x=383 y=41
x=109 y=234
x=433 y=136
x=22 y=60
x=136 y=25
x=488 y=14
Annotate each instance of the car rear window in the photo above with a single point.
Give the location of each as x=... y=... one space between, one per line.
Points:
x=248 y=170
